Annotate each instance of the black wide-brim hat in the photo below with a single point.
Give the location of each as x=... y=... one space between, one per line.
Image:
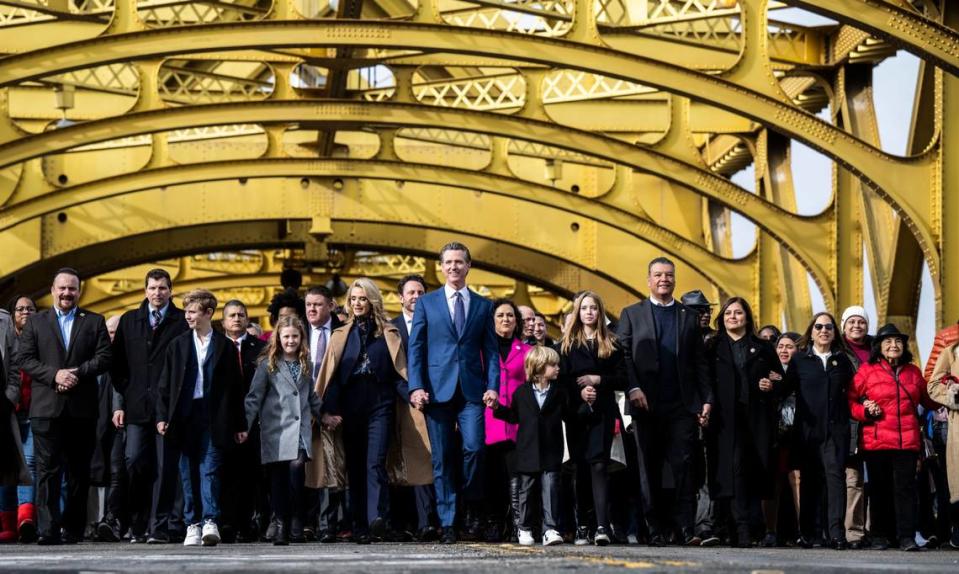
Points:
x=695 y=299
x=889 y=330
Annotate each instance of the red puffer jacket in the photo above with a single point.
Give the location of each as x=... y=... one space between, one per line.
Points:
x=898 y=427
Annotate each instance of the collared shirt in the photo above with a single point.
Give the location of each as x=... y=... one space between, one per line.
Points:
x=163 y=310
x=408 y=319
x=66 y=324
x=657 y=302
x=823 y=357
x=451 y=300
x=315 y=333
x=201 y=347
x=540 y=394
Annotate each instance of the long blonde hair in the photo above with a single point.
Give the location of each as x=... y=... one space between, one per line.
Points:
x=575 y=336
x=375 y=298
x=274 y=349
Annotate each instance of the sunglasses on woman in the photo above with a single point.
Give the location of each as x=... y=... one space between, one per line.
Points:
x=821 y=326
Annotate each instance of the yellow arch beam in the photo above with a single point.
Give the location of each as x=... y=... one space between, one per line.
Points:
x=925 y=38
x=730 y=275
x=550 y=269
x=897 y=179
x=804 y=237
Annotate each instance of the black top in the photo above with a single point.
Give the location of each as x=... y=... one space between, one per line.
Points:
x=740 y=355
x=667 y=340
x=593 y=441
x=505 y=346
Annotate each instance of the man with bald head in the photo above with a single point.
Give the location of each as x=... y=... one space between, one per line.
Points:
x=529 y=324
x=63 y=349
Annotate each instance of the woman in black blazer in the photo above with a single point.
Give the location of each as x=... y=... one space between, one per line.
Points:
x=592 y=369
x=366 y=356
x=821 y=373
x=746 y=375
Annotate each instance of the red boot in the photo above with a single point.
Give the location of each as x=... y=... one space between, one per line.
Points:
x=8 y=526
x=26 y=524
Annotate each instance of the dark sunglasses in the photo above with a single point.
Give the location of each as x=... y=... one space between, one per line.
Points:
x=826 y=326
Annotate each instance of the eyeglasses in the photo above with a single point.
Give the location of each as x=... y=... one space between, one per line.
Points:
x=821 y=326
x=24 y=309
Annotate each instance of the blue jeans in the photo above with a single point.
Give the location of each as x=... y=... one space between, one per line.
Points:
x=200 y=463
x=12 y=496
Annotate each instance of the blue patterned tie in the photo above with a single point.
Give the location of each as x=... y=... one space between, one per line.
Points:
x=459 y=313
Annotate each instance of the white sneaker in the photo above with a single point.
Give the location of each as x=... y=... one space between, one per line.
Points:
x=211 y=534
x=526 y=538
x=552 y=538
x=192 y=536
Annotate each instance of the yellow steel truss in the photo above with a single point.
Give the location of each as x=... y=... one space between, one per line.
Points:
x=570 y=139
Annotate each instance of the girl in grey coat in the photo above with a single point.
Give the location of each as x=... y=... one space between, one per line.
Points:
x=281 y=397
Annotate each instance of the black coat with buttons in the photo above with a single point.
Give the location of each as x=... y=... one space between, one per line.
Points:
x=759 y=409
x=539 y=440
x=138 y=353
x=822 y=409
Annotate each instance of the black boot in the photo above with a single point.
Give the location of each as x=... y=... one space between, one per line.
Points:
x=281 y=534
x=514 y=508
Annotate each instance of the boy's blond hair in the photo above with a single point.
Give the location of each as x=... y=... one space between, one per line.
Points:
x=205 y=299
x=537 y=359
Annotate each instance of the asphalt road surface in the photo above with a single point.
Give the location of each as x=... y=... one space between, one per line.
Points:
x=463 y=557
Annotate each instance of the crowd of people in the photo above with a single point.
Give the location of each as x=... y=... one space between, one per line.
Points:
x=461 y=419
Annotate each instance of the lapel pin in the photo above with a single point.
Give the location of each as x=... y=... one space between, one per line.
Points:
x=834 y=363
x=752 y=349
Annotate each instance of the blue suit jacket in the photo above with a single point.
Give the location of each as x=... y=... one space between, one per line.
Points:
x=439 y=360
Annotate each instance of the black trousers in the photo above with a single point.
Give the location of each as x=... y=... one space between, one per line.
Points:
x=749 y=481
x=242 y=489
x=286 y=488
x=822 y=490
x=117 y=498
x=368 y=416
x=591 y=489
x=62 y=444
x=167 y=511
x=668 y=436
x=140 y=457
x=892 y=476
x=498 y=470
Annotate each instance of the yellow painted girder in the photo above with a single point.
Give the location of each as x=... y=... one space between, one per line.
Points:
x=730 y=275
x=803 y=236
x=925 y=38
x=902 y=181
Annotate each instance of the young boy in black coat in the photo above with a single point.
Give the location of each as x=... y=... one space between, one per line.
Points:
x=539 y=407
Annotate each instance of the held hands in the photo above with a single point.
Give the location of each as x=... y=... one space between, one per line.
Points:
x=161 y=427
x=638 y=399
x=330 y=421
x=419 y=399
x=118 y=417
x=491 y=398
x=765 y=385
x=872 y=408
x=704 y=416
x=588 y=394
x=241 y=437
x=66 y=379
x=587 y=380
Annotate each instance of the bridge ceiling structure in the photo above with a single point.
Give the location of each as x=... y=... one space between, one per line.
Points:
x=569 y=141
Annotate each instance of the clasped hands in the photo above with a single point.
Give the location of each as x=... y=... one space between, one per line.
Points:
x=66 y=379
x=872 y=408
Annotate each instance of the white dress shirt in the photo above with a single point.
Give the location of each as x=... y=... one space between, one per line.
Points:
x=201 y=348
x=408 y=319
x=451 y=300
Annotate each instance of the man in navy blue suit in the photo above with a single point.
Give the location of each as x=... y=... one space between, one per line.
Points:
x=452 y=371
